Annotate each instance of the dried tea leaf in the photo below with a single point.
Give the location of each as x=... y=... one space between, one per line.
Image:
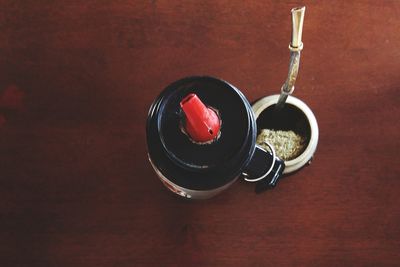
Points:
x=287 y=144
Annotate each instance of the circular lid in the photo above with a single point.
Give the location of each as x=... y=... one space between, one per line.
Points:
x=190 y=164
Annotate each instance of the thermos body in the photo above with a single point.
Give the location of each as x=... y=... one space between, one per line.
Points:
x=195 y=170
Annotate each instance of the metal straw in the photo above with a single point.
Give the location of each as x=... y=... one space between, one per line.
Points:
x=295 y=47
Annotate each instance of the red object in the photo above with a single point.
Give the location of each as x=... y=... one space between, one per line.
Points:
x=202 y=123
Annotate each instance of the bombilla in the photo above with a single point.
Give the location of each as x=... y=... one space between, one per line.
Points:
x=295 y=46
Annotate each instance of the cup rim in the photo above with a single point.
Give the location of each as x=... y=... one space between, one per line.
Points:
x=308 y=153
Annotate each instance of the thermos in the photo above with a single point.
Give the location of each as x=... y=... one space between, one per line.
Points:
x=201 y=137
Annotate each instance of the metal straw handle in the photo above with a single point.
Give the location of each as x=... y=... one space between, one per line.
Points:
x=295 y=46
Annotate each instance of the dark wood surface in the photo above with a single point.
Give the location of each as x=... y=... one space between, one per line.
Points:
x=77 y=79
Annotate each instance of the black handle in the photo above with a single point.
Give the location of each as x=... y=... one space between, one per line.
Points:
x=265 y=168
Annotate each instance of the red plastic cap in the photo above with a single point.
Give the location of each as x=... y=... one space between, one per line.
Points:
x=202 y=123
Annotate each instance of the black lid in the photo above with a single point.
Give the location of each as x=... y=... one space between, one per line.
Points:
x=206 y=166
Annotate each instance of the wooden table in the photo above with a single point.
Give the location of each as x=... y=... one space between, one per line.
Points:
x=77 y=79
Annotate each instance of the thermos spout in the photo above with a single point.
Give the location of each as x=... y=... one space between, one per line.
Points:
x=202 y=123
